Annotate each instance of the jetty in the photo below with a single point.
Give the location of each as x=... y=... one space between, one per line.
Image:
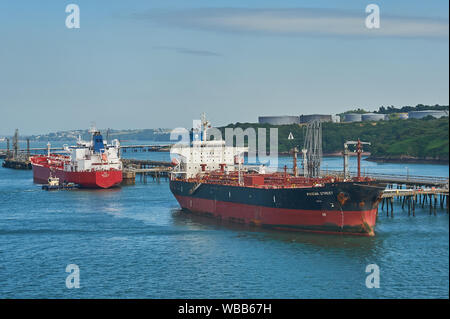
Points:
x=144 y=169
x=412 y=191
x=14 y=158
x=17 y=163
x=123 y=149
x=415 y=197
x=145 y=148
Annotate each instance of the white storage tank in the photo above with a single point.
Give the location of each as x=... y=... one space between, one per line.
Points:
x=422 y=114
x=336 y=118
x=315 y=117
x=279 y=120
x=373 y=117
x=352 y=117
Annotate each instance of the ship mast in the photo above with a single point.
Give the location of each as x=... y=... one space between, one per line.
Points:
x=305 y=163
x=294 y=164
x=205 y=125
x=16 y=143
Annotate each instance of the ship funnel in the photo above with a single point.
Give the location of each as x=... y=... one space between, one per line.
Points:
x=97 y=141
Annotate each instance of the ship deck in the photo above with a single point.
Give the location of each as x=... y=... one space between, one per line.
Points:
x=267 y=181
x=54 y=160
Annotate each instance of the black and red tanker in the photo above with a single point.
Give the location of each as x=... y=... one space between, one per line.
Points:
x=210 y=179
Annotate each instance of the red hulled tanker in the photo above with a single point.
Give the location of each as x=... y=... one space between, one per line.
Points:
x=92 y=164
x=210 y=179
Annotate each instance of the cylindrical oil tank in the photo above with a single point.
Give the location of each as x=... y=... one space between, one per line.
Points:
x=278 y=120
x=315 y=117
x=352 y=117
x=422 y=114
x=373 y=117
x=336 y=118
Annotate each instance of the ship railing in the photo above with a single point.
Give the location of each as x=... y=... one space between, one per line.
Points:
x=385 y=177
x=399 y=178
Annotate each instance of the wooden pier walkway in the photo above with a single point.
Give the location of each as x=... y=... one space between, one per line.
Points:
x=411 y=180
x=392 y=193
x=399 y=179
x=412 y=191
x=416 y=197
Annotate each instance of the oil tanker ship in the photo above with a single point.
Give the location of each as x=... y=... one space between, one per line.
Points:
x=93 y=164
x=210 y=179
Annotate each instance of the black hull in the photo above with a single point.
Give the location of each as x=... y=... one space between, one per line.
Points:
x=346 y=196
x=344 y=207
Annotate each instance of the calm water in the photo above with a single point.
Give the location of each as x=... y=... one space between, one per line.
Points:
x=132 y=242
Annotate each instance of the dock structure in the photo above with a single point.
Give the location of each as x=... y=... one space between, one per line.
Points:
x=397 y=180
x=123 y=149
x=138 y=163
x=411 y=191
x=410 y=180
x=17 y=163
x=416 y=197
x=144 y=169
x=414 y=191
x=14 y=158
x=145 y=148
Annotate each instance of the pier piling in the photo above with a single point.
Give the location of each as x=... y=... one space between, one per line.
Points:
x=409 y=197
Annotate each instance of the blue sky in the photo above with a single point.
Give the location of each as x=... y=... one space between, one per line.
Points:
x=147 y=64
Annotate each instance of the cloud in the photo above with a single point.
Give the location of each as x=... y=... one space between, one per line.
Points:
x=298 y=22
x=188 y=51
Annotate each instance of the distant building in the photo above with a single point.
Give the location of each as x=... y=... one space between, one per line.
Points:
x=315 y=117
x=336 y=118
x=279 y=120
x=352 y=117
x=373 y=117
x=422 y=114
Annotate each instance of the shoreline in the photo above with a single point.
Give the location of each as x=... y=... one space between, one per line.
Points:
x=407 y=160
x=380 y=159
x=334 y=154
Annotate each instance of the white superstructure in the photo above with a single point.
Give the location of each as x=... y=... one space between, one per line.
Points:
x=95 y=155
x=203 y=155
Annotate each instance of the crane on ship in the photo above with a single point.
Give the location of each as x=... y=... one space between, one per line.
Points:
x=358 y=151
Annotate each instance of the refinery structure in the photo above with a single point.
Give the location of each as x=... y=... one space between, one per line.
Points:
x=349 y=117
x=302 y=119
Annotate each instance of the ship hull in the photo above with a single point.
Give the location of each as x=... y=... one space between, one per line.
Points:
x=344 y=208
x=93 y=179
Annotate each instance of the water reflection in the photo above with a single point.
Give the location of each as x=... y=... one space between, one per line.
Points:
x=330 y=241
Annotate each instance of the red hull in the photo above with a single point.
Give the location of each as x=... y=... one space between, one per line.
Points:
x=349 y=222
x=93 y=179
